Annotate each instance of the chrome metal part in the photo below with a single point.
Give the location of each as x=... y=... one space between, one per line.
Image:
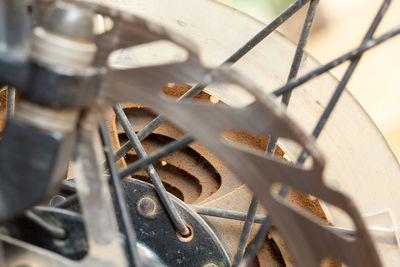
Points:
x=50 y=48
x=45 y=133
x=65 y=38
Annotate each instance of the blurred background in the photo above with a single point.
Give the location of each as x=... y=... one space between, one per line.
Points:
x=340 y=26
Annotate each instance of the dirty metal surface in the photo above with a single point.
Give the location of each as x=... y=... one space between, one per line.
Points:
x=154 y=229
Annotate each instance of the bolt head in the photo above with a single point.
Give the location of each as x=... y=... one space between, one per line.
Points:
x=147 y=207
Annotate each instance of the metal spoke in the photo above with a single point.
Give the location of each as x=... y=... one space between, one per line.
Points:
x=346 y=77
x=50 y=228
x=120 y=196
x=68 y=202
x=322 y=121
x=244 y=237
x=254 y=245
x=162 y=193
x=305 y=33
x=226 y=214
x=241 y=216
x=294 y=68
x=281 y=18
x=159 y=154
x=142 y=134
x=267 y=30
x=295 y=83
x=132 y=168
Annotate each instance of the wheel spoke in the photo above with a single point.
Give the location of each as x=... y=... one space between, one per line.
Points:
x=255 y=244
x=295 y=83
x=142 y=134
x=305 y=33
x=151 y=171
x=132 y=168
x=322 y=121
x=120 y=196
x=294 y=69
x=50 y=228
x=159 y=154
x=226 y=214
x=244 y=237
x=293 y=8
x=346 y=77
x=298 y=56
x=68 y=202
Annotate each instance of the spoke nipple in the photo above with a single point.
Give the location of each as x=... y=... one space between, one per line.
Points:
x=187 y=236
x=187 y=232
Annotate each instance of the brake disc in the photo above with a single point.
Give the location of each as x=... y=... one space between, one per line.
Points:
x=232 y=135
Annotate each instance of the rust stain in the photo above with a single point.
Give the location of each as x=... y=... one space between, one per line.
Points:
x=226 y=195
x=177 y=90
x=310 y=204
x=249 y=140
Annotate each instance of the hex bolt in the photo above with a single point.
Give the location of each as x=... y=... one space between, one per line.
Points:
x=147 y=207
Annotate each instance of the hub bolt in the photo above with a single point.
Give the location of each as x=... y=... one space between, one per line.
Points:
x=147 y=207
